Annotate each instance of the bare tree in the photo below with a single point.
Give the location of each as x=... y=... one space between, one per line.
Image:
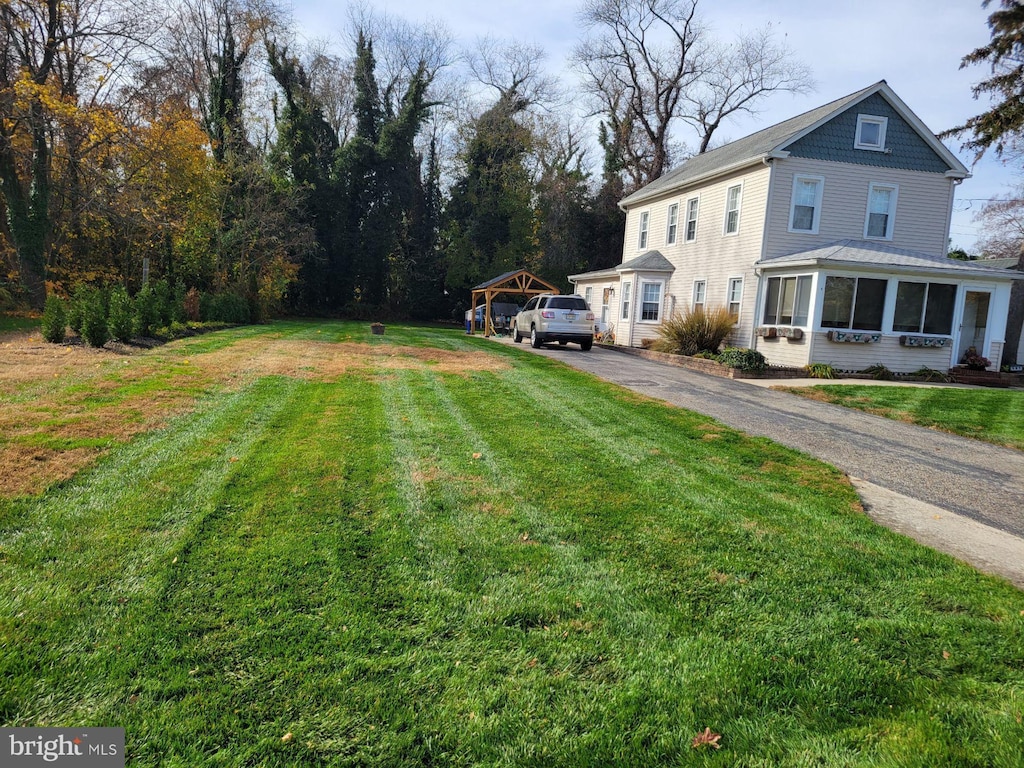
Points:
x=514 y=69
x=1002 y=220
x=652 y=63
x=737 y=77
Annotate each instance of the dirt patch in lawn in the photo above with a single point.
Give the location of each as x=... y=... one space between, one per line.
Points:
x=65 y=405
x=327 y=361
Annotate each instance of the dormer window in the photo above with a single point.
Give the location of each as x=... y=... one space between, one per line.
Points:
x=870 y=133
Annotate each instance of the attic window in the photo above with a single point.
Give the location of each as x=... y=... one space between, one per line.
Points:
x=870 y=133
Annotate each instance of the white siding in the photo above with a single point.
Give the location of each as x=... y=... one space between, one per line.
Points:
x=852 y=356
x=922 y=210
x=713 y=256
x=779 y=351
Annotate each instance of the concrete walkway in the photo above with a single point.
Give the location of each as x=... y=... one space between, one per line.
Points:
x=954 y=494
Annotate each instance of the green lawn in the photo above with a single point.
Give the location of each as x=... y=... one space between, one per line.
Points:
x=13 y=323
x=993 y=415
x=398 y=564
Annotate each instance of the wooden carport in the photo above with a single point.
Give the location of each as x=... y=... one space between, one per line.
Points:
x=518 y=283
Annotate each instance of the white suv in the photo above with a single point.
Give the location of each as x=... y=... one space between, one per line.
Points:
x=553 y=317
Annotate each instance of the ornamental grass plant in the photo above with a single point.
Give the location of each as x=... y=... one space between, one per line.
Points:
x=694 y=330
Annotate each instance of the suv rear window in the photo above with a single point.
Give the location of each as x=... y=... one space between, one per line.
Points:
x=567 y=302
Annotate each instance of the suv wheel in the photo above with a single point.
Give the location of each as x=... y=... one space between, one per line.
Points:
x=586 y=345
x=516 y=336
x=534 y=338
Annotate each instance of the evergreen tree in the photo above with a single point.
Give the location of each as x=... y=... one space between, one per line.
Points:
x=1004 y=122
x=305 y=150
x=490 y=218
x=378 y=173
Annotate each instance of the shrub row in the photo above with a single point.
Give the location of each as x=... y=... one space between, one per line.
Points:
x=98 y=315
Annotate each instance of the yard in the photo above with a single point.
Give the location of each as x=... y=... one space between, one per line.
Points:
x=993 y=415
x=301 y=544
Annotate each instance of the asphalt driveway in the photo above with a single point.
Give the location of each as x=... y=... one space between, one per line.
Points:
x=982 y=482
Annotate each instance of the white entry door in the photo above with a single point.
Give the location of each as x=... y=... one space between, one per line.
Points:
x=974 y=326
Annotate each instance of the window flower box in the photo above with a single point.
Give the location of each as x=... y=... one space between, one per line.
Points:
x=767 y=332
x=925 y=341
x=793 y=334
x=855 y=338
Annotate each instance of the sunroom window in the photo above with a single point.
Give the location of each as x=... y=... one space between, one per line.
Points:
x=924 y=308
x=854 y=303
x=788 y=300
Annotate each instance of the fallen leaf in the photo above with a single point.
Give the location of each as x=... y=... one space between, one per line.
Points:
x=945 y=654
x=477 y=455
x=707 y=738
x=233 y=459
x=856 y=639
x=287 y=737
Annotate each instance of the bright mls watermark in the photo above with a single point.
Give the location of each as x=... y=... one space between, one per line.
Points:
x=79 y=747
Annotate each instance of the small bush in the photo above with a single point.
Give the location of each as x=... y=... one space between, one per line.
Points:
x=879 y=372
x=94 y=319
x=973 y=360
x=164 y=300
x=749 y=360
x=147 y=312
x=121 y=320
x=820 y=371
x=76 y=307
x=55 y=319
x=693 y=331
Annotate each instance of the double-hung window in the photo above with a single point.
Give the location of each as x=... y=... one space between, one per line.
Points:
x=805 y=208
x=881 y=211
x=626 y=288
x=732 y=210
x=788 y=300
x=924 y=308
x=673 y=224
x=854 y=303
x=645 y=222
x=589 y=296
x=700 y=289
x=735 y=297
x=870 y=133
x=650 y=302
x=691 y=219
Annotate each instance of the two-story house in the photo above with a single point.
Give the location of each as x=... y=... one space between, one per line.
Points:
x=825 y=236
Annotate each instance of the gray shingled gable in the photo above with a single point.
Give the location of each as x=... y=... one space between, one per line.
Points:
x=652 y=261
x=781 y=137
x=872 y=254
x=834 y=141
x=748 y=148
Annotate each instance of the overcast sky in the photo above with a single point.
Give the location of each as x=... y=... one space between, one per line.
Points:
x=915 y=45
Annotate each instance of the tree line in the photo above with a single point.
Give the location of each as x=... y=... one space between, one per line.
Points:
x=199 y=144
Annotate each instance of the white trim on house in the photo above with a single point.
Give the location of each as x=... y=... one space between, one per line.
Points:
x=736 y=210
x=643 y=236
x=672 y=223
x=643 y=301
x=734 y=297
x=700 y=291
x=870 y=120
x=692 y=216
x=796 y=194
x=890 y=211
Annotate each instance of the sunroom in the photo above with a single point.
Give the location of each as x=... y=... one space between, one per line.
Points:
x=855 y=304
